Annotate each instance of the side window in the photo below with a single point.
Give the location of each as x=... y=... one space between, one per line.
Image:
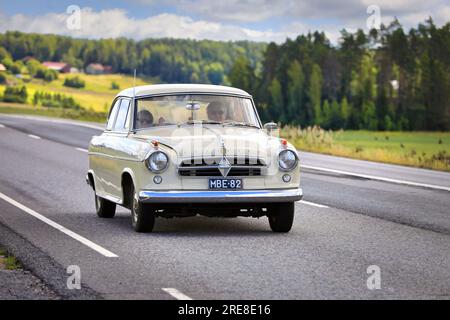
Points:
x=113 y=114
x=121 y=123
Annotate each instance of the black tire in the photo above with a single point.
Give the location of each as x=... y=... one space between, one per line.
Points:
x=142 y=215
x=281 y=217
x=104 y=208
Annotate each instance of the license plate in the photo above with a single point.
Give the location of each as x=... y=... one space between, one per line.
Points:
x=225 y=184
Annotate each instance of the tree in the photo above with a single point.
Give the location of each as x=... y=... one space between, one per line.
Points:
x=345 y=112
x=295 y=111
x=33 y=66
x=325 y=115
x=74 y=82
x=369 y=116
x=335 y=119
x=4 y=54
x=241 y=74
x=314 y=93
x=215 y=73
x=276 y=99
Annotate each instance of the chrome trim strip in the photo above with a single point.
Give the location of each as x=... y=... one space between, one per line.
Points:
x=188 y=168
x=219 y=157
x=205 y=196
x=99 y=154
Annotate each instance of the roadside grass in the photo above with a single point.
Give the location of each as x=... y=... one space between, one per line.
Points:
x=83 y=115
x=7 y=261
x=430 y=150
x=96 y=96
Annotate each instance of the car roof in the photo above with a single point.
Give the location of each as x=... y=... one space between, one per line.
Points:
x=156 y=89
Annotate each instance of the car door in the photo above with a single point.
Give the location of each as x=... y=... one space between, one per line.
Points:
x=115 y=149
x=100 y=153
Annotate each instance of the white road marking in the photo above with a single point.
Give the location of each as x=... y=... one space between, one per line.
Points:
x=366 y=176
x=59 y=227
x=314 y=204
x=1 y=126
x=82 y=150
x=34 y=137
x=176 y=294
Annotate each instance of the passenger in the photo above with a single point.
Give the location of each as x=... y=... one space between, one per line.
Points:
x=144 y=119
x=216 y=111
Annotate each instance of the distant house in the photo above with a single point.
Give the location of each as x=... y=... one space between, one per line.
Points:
x=2 y=68
x=74 y=70
x=57 y=66
x=97 y=68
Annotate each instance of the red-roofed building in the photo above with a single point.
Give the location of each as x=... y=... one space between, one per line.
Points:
x=57 y=66
x=97 y=68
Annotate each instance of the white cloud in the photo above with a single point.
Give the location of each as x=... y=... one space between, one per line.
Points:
x=222 y=20
x=263 y=10
x=116 y=23
x=403 y=6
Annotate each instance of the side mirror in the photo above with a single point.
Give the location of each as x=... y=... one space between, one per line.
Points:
x=270 y=126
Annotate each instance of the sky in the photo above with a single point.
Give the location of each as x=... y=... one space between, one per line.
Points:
x=256 y=20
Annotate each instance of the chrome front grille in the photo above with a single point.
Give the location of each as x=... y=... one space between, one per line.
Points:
x=240 y=167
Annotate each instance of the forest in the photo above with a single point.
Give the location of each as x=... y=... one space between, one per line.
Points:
x=172 y=60
x=386 y=79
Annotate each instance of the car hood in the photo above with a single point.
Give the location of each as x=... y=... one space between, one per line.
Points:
x=208 y=140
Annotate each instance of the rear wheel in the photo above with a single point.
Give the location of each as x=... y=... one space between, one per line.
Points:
x=142 y=215
x=104 y=208
x=281 y=217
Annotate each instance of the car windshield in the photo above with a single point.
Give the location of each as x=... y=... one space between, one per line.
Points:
x=192 y=109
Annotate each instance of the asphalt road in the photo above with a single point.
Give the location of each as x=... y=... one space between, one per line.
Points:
x=352 y=222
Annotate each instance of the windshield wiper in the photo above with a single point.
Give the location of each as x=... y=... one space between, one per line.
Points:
x=199 y=122
x=240 y=124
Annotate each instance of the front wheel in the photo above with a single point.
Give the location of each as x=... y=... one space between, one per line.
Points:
x=104 y=208
x=281 y=217
x=142 y=215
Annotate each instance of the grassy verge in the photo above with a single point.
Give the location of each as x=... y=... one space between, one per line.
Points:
x=8 y=261
x=429 y=150
x=84 y=115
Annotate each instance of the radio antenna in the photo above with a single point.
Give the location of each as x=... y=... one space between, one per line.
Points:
x=134 y=85
x=134 y=101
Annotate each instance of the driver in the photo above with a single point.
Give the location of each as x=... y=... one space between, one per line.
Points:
x=216 y=111
x=144 y=119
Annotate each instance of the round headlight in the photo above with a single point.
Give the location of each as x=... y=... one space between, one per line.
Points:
x=158 y=161
x=287 y=160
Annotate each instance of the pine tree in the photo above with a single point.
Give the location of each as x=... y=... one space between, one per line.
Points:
x=314 y=93
x=296 y=113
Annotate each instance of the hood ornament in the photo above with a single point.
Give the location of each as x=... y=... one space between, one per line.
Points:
x=224 y=164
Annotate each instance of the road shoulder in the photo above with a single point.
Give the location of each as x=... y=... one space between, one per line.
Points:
x=40 y=273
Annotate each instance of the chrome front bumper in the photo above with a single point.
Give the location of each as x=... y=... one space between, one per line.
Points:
x=242 y=196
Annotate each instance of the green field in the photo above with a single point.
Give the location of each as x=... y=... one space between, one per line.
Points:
x=419 y=149
x=96 y=96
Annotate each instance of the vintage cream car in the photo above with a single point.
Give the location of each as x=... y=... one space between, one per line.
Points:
x=182 y=150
